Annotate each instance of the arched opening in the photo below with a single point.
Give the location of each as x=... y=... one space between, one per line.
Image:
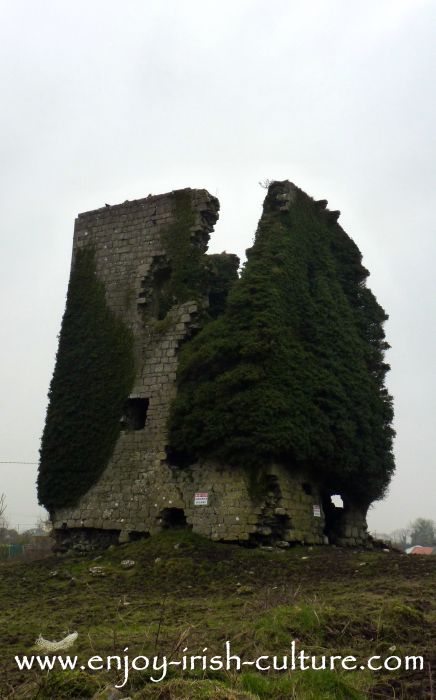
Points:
x=333 y=507
x=173 y=518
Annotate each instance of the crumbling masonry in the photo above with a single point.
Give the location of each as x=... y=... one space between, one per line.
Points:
x=141 y=491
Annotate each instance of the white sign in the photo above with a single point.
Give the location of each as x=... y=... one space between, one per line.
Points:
x=317 y=511
x=200 y=499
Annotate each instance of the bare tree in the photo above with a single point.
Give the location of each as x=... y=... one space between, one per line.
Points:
x=43 y=523
x=265 y=183
x=401 y=537
x=423 y=531
x=3 y=521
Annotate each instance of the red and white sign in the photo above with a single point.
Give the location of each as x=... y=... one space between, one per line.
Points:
x=201 y=499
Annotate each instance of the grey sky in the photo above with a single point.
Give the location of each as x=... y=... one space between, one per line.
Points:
x=103 y=101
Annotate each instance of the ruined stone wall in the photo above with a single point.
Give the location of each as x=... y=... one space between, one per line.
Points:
x=140 y=492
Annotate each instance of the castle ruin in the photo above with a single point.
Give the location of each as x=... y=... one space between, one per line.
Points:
x=142 y=488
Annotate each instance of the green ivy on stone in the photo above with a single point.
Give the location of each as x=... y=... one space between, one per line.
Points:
x=293 y=370
x=93 y=377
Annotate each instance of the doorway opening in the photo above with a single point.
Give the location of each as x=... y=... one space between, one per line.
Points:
x=333 y=507
x=173 y=518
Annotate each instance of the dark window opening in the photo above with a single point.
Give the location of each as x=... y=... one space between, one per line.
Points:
x=154 y=295
x=307 y=489
x=173 y=518
x=160 y=285
x=179 y=458
x=135 y=414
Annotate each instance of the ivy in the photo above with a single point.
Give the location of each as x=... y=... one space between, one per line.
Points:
x=186 y=272
x=293 y=369
x=93 y=377
x=186 y=257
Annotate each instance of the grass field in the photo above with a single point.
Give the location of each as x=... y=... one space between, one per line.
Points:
x=187 y=592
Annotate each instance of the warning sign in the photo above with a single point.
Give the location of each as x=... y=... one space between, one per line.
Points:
x=317 y=511
x=201 y=499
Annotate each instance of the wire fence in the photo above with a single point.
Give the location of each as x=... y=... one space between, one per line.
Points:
x=28 y=550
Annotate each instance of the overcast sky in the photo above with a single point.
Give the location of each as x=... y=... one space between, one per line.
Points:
x=103 y=101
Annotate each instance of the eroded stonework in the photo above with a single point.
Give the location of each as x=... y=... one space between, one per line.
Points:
x=141 y=492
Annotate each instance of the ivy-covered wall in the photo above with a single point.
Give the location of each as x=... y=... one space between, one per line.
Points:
x=280 y=383
x=92 y=379
x=139 y=285
x=293 y=370
x=187 y=272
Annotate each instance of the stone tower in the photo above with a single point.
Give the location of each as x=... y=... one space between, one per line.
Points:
x=141 y=490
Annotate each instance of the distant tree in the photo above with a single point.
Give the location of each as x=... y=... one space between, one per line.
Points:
x=43 y=524
x=3 y=521
x=423 y=531
x=400 y=537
